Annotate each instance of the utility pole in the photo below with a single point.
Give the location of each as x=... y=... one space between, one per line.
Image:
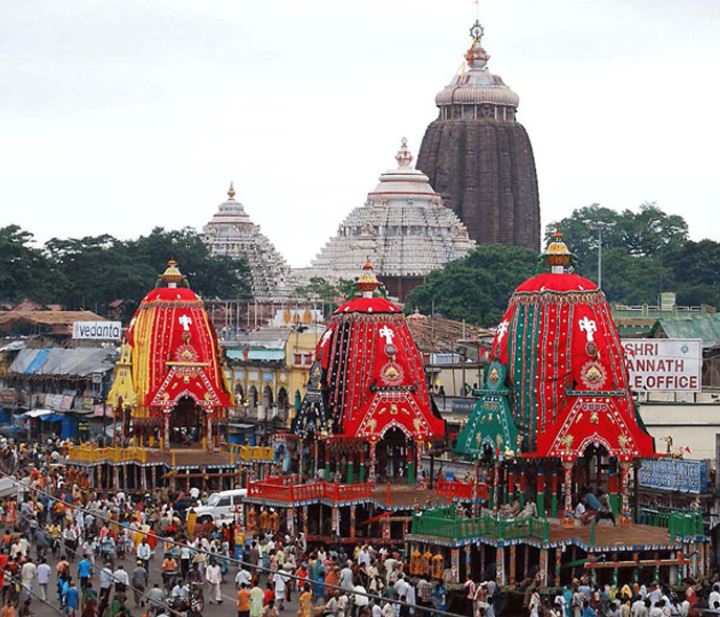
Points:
x=599 y=226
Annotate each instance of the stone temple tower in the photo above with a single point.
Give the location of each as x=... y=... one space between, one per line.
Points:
x=479 y=157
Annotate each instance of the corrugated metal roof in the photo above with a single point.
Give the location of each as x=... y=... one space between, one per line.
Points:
x=705 y=326
x=79 y=361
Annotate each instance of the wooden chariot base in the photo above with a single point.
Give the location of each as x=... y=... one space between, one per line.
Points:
x=138 y=470
x=607 y=554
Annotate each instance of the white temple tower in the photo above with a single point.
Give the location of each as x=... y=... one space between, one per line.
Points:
x=403 y=229
x=231 y=232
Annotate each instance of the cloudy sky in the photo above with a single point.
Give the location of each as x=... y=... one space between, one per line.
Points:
x=120 y=115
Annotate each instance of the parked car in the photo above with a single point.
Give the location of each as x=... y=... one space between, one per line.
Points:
x=220 y=506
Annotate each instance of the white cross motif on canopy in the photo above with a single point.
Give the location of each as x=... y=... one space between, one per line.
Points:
x=589 y=327
x=502 y=329
x=185 y=321
x=387 y=334
x=325 y=338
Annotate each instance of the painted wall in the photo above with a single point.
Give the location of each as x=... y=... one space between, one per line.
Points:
x=690 y=424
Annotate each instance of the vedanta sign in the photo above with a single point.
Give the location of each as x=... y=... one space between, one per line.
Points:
x=97 y=330
x=664 y=365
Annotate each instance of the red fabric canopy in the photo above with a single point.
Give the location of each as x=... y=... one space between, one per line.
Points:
x=176 y=352
x=374 y=373
x=566 y=369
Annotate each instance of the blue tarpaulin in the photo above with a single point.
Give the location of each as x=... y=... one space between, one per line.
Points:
x=68 y=427
x=40 y=358
x=54 y=417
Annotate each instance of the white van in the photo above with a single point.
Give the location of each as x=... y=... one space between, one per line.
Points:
x=221 y=506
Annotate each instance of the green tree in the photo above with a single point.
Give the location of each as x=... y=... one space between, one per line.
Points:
x=329 y=295
x=24 y=270
x=634 y=279
x=102 y=273
x=696 y=266
x=649 y=232
x=477 y=287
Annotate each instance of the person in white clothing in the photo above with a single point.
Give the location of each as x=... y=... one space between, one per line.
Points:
x=27 y=576
x=121 y=578
x=144 y=553
x=213 y=575
x=243 y=577
x=714 y=599
x=280 y=581
x=43 y=578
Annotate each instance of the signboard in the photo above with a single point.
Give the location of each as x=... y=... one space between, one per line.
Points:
x=674 y=475
x=97 y=330
x=664 y=365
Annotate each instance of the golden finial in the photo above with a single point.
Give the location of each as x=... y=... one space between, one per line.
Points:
x=231 y=192
x=367 y=281
x=557 y=252
x=172 y=273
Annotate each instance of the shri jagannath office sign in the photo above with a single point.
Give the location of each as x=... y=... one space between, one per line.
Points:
x=664 y=365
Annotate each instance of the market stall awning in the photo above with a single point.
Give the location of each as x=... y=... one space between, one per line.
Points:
x=54 y=417
x=38 y=413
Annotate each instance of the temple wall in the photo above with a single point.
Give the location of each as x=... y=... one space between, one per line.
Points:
x=690 y=424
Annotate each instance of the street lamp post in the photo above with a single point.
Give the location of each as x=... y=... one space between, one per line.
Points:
x=599 y=226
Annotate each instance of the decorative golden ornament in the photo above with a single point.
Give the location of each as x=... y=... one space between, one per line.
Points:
x=172 y=273
x=367 y=281
x=494 y=375
x=594 y=418
x=557 y=252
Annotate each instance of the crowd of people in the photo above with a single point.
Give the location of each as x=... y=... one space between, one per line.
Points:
x=582 y=599
x=71 y=546
x=92 y=554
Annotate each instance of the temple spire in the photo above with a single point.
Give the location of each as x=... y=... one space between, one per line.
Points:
x=404 y=157
x=476 y=56
x=231 y=192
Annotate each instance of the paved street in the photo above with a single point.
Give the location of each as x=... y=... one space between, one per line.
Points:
x=228 y=607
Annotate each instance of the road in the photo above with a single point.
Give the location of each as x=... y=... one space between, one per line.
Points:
x=228 y=607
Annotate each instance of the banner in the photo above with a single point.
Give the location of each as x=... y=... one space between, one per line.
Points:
x=674 y=475
x=664 y=365
x=97 y=330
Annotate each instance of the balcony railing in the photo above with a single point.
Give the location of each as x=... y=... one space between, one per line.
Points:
x=464 y=491
x=445 y=523
x=286 y=489
x=91 y=454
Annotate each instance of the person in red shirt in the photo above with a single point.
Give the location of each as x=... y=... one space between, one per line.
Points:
x=269 y=593
x=4 y=557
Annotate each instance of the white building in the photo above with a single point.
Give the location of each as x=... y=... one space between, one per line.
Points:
x=232 y=233
x=403 y=229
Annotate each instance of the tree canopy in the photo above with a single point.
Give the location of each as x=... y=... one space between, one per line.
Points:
x=477 y=287
x=645 y=252
x=102 y=273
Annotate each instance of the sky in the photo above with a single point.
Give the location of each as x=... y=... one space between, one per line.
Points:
x=117 y=116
